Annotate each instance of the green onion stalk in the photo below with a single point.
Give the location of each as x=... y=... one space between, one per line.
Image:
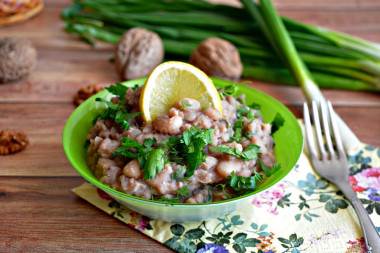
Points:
x=281 y=41
x=335 y=60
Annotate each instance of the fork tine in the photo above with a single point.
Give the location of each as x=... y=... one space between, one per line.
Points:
x=318 y=131
x=309 y=132
x=334 y=126
x=326 y=128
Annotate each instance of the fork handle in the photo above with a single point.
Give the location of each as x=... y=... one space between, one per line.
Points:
x=371 y=235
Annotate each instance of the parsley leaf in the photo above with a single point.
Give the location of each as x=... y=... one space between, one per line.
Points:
x=183 y=192
x=241 y=112
x=126 y=145
x=175 y=175
x=277 y=122
x=168 y=200
x=150 y=160
x=117 y=111
x=244 y=111
x=229 y=90
x=248 y=154
x=239 y=183
x=267 y=170
x=122 y=118
x=119 y=90
x=238 y=130
x=110 y=112
x=149 y=142
x=184 y=105
x=154 y=163
x=255 y=106
x=195 y=140
x=173 y=150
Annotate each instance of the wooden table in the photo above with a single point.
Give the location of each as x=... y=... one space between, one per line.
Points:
x=38 y=212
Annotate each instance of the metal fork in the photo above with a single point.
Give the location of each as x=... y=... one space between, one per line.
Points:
x=333 y=165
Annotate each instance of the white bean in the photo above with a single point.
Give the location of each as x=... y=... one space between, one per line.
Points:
x=212 y=113
x=164 y=124
x=132 y=169
x=225 y=167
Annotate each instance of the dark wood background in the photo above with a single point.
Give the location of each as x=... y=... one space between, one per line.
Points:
x=38 y=212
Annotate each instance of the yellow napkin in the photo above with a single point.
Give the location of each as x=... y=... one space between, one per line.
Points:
x=303 y=213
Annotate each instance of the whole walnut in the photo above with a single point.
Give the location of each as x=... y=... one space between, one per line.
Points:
x=17 y=59
x=219 y=58
x=138 y=52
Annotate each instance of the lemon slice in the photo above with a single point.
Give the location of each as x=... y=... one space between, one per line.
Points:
x=172 y=81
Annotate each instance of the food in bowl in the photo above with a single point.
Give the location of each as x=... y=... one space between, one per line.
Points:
x=288 y=141
x=190 y=154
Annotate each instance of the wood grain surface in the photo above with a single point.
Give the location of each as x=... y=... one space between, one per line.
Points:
x=38 y=211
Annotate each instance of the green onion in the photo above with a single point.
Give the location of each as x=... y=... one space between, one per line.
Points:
x=281 y=41
x=324 y=80
x=182 y=24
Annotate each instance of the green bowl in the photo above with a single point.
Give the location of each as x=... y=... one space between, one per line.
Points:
x=288 y=147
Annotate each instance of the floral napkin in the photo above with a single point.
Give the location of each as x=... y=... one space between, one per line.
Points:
x=303 y=213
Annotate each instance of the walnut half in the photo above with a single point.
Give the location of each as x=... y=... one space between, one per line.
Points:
x=219 y=58
x=12 y=141
x=138 y=52
x=86 y=92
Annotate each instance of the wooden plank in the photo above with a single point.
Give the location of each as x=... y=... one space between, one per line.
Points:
x=43 y=215
x=43 y=123
x=55 y=86
x=326 y=4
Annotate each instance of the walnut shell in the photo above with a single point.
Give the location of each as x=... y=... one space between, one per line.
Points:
x=12 y=141
x=219 y=58
x=138 y=52
x=17 y=59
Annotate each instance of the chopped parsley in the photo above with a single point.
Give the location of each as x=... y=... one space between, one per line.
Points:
x=153 y=163
x=172 y=200
x=189 y=149
x=243 y=114
x=117 y=112
x=229 y=90
x=184 y=105
x=119 y=90
x=244 y=111
x=277 y=122
x=150 y=160
x=239 y=183
x=255 y=106
x=238 y=131
x=248 y=154
x=183 y=192
x=195 y=140
x=176 y=175
x=269 y=171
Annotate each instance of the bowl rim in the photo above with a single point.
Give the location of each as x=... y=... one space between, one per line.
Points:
x=219 y=83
